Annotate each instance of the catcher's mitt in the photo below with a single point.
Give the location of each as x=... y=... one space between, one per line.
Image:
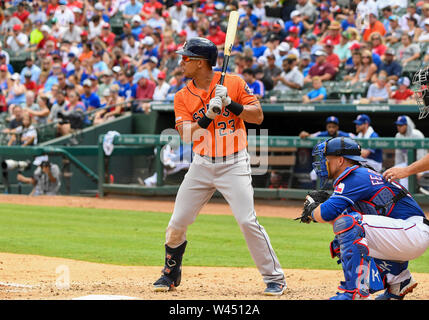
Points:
x=312 y=201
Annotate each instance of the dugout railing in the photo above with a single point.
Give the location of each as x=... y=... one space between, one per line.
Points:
x=135 y=141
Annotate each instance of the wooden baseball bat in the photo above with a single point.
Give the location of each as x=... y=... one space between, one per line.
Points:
x=229 y=42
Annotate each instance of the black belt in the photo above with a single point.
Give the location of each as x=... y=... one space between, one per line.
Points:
x=426 y=221
x=221 y=159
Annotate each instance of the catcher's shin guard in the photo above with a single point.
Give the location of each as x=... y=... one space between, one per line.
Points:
x=172 y=271
x=360 y=272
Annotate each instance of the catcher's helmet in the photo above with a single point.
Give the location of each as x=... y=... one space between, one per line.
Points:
x=339 y=146
x=200 y=47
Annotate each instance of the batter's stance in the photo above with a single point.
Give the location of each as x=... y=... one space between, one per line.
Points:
x=221 y=162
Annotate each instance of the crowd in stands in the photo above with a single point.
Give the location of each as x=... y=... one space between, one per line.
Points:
x=99 y=56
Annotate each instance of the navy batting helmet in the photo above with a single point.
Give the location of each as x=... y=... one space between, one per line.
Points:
x=200 y=47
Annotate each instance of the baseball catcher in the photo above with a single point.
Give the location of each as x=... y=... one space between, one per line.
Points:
x=378 y=226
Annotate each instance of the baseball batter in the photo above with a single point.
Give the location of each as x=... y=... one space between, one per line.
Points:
x=379 y=227
x=221 y=162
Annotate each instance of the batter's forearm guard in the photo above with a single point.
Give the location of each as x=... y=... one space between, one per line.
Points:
x=235 y=108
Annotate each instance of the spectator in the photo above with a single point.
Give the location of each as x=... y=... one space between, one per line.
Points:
x=131 y=9
x=332 y=130
x=32 y=108
x=425 y=15
x=311 y=40
x=72 y=33
x=403 y=94
x=25 y=134
x=255 y=86
x=247 y=18
x=29 y=84
x=143 y=88
x=322 y=23
x=424 y=35
x=8 y=23
x=271 y=70
x=278 y=29
x=331 y=56
x=342 y=50
x=334 y=34
x=322 y=69
x=37 y=14
x=291 y=78
x=90 y=99
x=45 y=179
x=115 y=102
x=161 y=88
x=374 y=26
x=33 y=68
x=395 y=31
x=21 y=13
x=308 y=12
x=106 y=81
x=17 y=116
x=407 y=129
x=294 y=37
x=216 y=35
x=374 y=157
x=17 y=40
x=305 y=63
x=353 y=68
x=63 y=14
x=367 y=69
x=53 y=78
x=413 y=29
x=407 y=51
x=317 y=94
x=386 y=13
x=59 y=107
x=349 y=21
x=391 y=66
x=17 y=91
x=377 y=44
x=411 y=13
x=178 y=13
x=379 y=91
x=295 y=21
x=257 y=47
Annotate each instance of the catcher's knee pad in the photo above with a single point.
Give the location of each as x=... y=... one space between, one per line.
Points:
x=354 y=255
x=173 y=263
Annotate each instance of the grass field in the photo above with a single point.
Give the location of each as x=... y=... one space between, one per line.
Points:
x=136 y=238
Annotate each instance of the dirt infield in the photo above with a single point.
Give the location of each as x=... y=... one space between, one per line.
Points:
x=37 y=277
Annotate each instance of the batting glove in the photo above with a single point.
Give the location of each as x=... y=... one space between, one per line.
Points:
x=214 y=102
x=222 y=92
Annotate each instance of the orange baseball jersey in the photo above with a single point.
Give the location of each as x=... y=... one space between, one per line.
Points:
x=227 y=133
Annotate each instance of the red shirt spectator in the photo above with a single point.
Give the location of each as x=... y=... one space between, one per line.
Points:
x=107 y=36
x=331 y=57
x=21 y=13
x=145 y=88
x=403 y=92
x=150 y=7
x=216 y=35
x=334 y=33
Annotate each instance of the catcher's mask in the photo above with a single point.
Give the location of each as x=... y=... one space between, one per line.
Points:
x=339 y=146
x=420 y=86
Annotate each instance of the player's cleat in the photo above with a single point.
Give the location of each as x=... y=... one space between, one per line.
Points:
x=398 y=291
x=274 y=289
x=163 y=284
